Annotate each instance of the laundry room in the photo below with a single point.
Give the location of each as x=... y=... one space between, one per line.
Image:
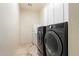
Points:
x=34 y=22
x=39 y=29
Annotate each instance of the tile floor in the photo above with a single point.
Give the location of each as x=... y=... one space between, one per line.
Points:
x=28 y=49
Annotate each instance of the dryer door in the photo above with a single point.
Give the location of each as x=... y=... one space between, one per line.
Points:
x=53 y=44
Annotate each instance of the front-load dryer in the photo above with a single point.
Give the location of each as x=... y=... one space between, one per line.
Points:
x=40 y=40
x=56 y=39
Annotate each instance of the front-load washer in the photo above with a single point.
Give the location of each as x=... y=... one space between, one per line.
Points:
x=56 y=39
x=40 y=40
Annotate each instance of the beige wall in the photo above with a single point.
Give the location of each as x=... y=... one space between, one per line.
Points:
x=9 y=24
x=74 y=29
x=27 y=19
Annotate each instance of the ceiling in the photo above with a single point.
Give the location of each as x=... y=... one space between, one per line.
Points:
x=32 y=6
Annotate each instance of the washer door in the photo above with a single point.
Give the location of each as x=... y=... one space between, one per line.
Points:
x=40 y=37
x=53 y=44
x=40 y=41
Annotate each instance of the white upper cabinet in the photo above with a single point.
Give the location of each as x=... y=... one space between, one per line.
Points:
x=66 y=14
x=58 y=13
x=50 y=14
x=46 y=16
x=43 y=16
x=55 y=13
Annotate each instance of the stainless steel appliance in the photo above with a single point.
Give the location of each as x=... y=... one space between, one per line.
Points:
x=56 y=39
x=40 y=41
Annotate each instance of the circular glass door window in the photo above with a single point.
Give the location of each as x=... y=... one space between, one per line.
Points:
x=53 y=44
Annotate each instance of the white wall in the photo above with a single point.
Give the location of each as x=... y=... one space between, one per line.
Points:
x=74 y=29
x=9 y=18
x=27 y=20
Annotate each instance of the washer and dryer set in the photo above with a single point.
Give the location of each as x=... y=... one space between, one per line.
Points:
x=52 y=40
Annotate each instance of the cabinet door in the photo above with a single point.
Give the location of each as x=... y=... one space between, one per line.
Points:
x=44 y=16
x=50 y=14
x=66 y=10
x=58 y=13
x=45 y=19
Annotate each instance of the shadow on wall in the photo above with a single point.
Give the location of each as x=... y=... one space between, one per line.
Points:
x=9 y=28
